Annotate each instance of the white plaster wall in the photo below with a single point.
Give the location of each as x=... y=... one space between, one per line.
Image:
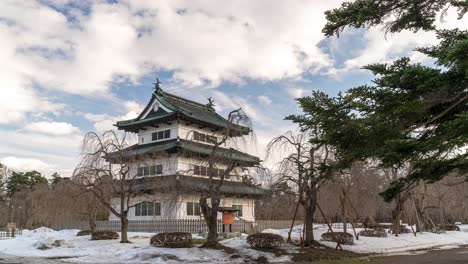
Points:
x=145 y=136
x=176 y=207
x=170 y=164
x=185 y=166
x=168 y=206
x=186 y=132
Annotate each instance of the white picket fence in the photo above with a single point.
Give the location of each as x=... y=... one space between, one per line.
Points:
x=178 y=225
x=154 y=226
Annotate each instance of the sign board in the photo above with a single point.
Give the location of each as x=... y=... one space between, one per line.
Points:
x=228 y=218
x=11 y=226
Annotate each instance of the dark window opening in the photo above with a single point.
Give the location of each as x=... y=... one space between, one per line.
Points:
x=239 y=207
x=148 y=209
x=159 y=169
x=193 y=208
x=202 y=137
x=161 y=135
x=189 y=208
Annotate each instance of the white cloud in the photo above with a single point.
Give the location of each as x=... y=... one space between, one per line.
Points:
x=52 y=128
x=381 y=48
x=264 y=100
x=24 y=164
x=105 y=122
x=296 y=92
x=203 y=42
x=59 y=152
x=133 y=106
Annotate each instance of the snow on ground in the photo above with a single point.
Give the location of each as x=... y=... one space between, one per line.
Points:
x=390 y=244
x=83 y=250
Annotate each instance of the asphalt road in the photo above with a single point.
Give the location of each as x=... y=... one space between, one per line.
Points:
x=7 y=259
x=446 y=256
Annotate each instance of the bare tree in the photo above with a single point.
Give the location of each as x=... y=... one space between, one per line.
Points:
x=304 y=166
x=107 y=171
x=221 y=153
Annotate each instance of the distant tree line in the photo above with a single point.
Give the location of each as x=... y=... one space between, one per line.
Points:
x=31 y=200
x=444 y=201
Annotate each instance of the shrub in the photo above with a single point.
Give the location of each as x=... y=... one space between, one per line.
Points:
x=378 y=232
x=264 y=240
x=342 y=237
x=449 y=227
x=84 y=233
x=172 y=240
x=369 y=221
x=403 y=230
x=436 y=230
x=104 y=235
x=377 y=225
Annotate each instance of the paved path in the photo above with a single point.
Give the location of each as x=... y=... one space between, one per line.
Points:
x=446 y=256
x=8 y=259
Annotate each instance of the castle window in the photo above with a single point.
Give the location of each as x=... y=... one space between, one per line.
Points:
x=148 y=209
x=193 y=208
x=159 y=169
x=202 y=137
x=160 y=135
x=205 y=171
x=202 y=171
x=163 y=134
x=221 y=173
x=197 y=136
x=211 y=139
x=239 y=207
x=150 y=170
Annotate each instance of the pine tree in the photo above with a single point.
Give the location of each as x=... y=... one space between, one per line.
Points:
x=412 y=114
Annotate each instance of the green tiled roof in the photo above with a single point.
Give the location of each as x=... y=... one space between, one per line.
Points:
x=189 y=184
x=179 y=108
x=176 y=145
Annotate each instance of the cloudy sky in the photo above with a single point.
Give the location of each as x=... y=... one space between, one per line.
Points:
x=69 y=67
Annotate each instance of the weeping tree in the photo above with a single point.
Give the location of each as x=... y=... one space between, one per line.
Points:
x=106 y=171
x=220 y=164
x=305 y=166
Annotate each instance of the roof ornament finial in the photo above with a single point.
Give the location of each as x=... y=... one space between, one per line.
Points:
x=157 y=86
x=210 y=103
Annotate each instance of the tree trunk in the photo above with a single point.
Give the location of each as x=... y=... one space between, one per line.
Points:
x=311 y=204
x=396 y=225
x=211 y=218
x=419 y=215
x=124 y=228
x=343 y=213
x=123 y=221
x=92 y=220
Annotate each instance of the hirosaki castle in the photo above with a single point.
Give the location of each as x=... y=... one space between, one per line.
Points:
x=176 y=136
